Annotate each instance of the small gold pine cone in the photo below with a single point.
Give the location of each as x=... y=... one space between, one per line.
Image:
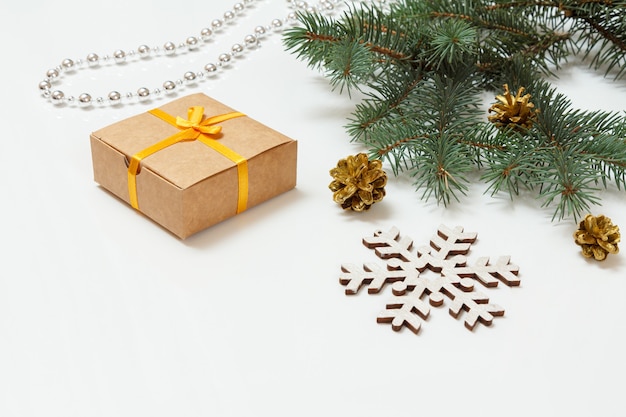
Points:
x=597 y=236
x=513 y=112
x=358 y=182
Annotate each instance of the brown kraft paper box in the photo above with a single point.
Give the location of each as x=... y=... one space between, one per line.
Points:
x=190 y=186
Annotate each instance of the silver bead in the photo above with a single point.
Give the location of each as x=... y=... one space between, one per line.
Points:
x=248 y=1
x=157 y=92
x=67 y=64
x=217 y=23
x=115 y=97
x=250 y=41
x=169 y=86
x=45 y=85
x=100 y=101
x=143 y=93
x=205 y=34
x=129 y=96
x=229 y=15
x=238 y=7
x=276 y=24
x=93 y=59
x=190 y=77
x=52 y=73
x=210 y=69
x=57 y=97
x=224 y=59
x=84 y=100
x=70 y=100
x=169 y=48
x=237 y=48
x=144 y=50
x=260 y=31
x=200 y=75
x=292 y=17
x=191 y=42
x=46 y=93
x=119 y=56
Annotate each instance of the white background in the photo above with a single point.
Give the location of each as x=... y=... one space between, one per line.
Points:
x=103 y=313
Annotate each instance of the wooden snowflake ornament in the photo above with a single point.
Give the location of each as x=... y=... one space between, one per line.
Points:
x=414 y=294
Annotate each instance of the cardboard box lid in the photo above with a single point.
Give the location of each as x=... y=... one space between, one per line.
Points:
x=187 y=163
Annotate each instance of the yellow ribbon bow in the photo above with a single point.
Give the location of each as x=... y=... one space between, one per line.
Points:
x=192 y=128
x=195 y=122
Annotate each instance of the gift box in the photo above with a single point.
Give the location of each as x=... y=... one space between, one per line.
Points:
x=192 y=163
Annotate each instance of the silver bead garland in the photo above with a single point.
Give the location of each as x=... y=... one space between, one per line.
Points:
x=251 y=41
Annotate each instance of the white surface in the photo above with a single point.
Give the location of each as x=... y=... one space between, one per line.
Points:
x=103 y=313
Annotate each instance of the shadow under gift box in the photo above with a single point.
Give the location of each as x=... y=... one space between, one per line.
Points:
x=189 y=186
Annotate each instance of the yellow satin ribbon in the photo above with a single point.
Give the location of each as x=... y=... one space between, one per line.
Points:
x=194 y=128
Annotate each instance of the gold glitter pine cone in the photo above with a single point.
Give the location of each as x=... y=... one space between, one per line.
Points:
x=513 y=112
x=598 y=237
x=358 y=182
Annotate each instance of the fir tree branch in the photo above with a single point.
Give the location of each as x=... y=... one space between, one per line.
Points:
x=369 y=113
x=422 y=65
x=605 y=33
x=480 y=23
x=523 y=4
